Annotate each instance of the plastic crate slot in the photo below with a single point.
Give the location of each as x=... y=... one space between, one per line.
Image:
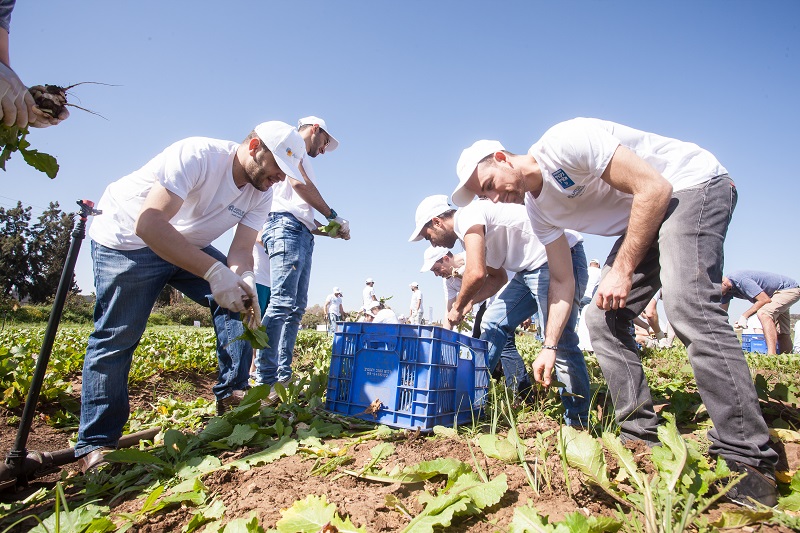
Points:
x=406 y=400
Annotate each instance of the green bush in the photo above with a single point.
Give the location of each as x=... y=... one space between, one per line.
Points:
x=185 y=313
x=157 y=319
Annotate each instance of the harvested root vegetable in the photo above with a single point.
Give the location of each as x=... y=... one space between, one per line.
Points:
x=51 y=99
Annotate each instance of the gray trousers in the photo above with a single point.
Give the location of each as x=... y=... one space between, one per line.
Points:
x=686 y=260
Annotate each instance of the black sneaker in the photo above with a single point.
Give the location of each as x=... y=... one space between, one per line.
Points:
x=756 y=486
x=229 y=402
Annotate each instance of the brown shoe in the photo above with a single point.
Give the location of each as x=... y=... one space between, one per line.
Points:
x=94 y=460
x=229 y=402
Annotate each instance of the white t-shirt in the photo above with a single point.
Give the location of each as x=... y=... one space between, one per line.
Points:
x=594 y=279
x=574 y=154
x=261 y=264
x=200 y=171
x=509 y=237
x=368 y=295
x=453 y=285
x=416 y=297
x=385 y=316
x=286 y=200
x=333 y=303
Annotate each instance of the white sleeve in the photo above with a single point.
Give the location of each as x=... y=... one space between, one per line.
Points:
x=256 y=217
x=582 y=147
x=544 y=231
x=179 y=168
x=469 y=216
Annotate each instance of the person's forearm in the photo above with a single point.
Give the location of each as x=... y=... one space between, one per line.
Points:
x=471 y=284
x=161 y=237
x=310 y=194
x=559 y=306
x=754 y=309
x=5 y=57
x=494 y=281
x=647 y=213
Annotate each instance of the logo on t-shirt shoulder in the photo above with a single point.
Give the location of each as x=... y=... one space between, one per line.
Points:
x=562 y=179
x=235 y=211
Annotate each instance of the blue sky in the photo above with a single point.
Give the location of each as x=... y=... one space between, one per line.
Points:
x=405 y=86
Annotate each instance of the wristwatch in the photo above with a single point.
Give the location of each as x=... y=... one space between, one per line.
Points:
x=332 y=215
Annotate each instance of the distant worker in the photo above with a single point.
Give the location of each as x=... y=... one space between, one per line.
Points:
x=368 y=294
x=772 y=296
x=382 y=314
x=334 y=310
x=415 y=314
x=594 y=280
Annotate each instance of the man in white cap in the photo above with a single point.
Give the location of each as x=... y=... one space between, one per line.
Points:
x=289 y=241
x=382 y=315
x=415 y=313
x=334 y=309
x=499 y=238
x=156 y=229
x=444 y=264
x=670 y=203
x=368 y=294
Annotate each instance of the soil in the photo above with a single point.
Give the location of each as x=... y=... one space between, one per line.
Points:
x=264 y=491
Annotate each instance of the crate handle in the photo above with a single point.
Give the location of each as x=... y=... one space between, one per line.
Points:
x=379 y=342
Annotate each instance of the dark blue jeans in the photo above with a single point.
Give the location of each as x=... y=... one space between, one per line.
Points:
x=128 y=283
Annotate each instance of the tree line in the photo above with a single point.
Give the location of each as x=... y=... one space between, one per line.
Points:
x=32 y=254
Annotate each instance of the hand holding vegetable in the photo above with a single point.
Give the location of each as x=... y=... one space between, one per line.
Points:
x=253 y=311
x=344 y=228
x=228 y=289
x=16 y=103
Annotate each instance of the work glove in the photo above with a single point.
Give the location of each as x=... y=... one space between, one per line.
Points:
x=253 y=313
x=344 y=230
x=15 y=100
x=229 y=290
x=742 y=322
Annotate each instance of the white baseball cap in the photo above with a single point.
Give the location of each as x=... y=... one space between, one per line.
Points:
x=433 y=254
x=470 y=157
x=370 y=280
x=337 y=290
x=285 y=144
x=430 y=207
x=374 y=303
x=334 y=144
x=415 y=284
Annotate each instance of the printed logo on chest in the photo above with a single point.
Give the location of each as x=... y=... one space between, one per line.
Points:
x=563 y=179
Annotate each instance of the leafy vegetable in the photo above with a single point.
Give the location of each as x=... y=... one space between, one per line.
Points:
x=257 y=338
x=312 y=515
x=12 y=139
x=331 y=228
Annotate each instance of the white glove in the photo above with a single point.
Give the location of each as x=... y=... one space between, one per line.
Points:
x=344 y=230
x=254 y=317
x=15 y=100
x=228 y=289
x=742 y=322
x=664 y=343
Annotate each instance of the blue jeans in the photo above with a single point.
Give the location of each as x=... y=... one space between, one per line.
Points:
x=333 y=318
x=128 y=283
x=525 y=295
x=289 y=245
x=686 y=262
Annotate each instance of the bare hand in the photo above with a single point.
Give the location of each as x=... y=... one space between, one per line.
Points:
x=613 y=291
x=543 y=367
x=455 y=316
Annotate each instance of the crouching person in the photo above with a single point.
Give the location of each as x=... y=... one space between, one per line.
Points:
x=156 y=229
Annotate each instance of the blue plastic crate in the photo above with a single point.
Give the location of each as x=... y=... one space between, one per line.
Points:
x=754 y=342
x=423 y=375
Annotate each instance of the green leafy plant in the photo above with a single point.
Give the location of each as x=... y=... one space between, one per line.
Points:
x=12 y=139
x=331 y=228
